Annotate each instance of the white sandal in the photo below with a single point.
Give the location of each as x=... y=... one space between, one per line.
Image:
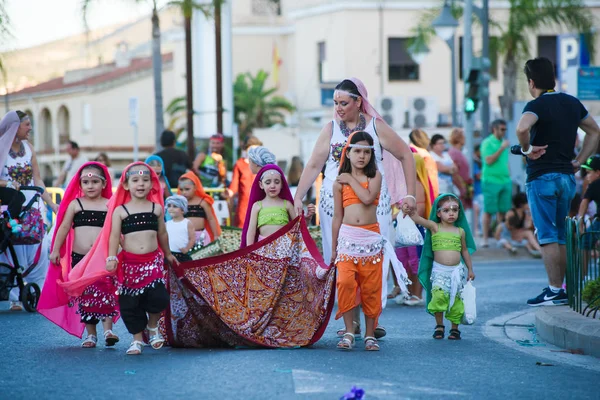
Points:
x=347 y=342
x=371 y=344
x=155 y=338
x=89 y=342
x=135 y=348
x=110 y=339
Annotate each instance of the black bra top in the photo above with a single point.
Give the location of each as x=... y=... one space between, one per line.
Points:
x=196 y=211
x=88 y=217
x=146 y=221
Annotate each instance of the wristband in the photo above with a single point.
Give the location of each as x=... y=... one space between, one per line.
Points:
x=528 y=152
x=112 y=258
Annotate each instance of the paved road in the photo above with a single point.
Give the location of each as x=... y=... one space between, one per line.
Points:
x=39 y=361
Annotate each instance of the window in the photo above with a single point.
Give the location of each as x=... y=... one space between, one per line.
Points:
x=266 y=7
x=547 y=48
x=401 y=66
x=322 y=58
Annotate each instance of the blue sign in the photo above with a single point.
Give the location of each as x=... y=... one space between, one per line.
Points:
x=327 y=96
x=588 y=83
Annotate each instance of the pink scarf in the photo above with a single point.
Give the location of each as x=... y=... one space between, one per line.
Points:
x=8 y=131
x=257 y=194
x=54 y=301
x=93 y=265
x=393 y=172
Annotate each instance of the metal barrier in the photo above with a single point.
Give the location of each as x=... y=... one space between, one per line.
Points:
x=221 y=206
x=583 y=263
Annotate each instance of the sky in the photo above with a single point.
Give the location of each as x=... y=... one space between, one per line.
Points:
x=39 y=21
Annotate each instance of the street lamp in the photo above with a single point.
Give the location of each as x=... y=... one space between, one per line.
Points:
x=445 y=26
x=418 y=51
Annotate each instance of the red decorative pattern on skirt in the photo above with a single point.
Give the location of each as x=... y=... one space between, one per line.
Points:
x=277 y=293
x=99 y=300
x=139 y=271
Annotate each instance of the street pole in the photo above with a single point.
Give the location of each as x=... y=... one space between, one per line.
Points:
x=453 y=78
x=467 y=63
x=381 y=47
x=189 y=88
x=219 y=68
x=485 y=52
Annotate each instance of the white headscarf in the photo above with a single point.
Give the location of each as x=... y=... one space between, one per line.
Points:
x=8 y=130
x=261 y=156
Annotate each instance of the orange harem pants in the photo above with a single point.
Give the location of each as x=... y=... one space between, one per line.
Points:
x=364 y=275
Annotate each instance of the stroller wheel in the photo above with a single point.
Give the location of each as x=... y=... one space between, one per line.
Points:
x=30 y=296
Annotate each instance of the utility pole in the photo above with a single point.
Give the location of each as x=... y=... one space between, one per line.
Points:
x=189 y=88
x=219 y=69
x=485 y=54
x=451 y=44
x=467 y=64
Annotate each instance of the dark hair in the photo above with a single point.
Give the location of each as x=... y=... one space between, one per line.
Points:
x=436 y=138
x=541 y=71
x=167 y=139
x=477 y=147
x=74 y=145
x=21 y=115
x=348 y=86
x=443 y=200
x=519 y=199
x=97 y=168
x=497 y=122
x=370 y=169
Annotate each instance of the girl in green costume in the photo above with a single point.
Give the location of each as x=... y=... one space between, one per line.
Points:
x=447 y=250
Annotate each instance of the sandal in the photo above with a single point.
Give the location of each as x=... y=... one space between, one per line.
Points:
x=155 y=338
x=439 y=332
x=371 y=344
x=135 y=348
x=342 y=332
x=454 y=334
x=380 y=332
x=89 y=342
x=16 y=306
x=394 y=293
x=347 y=342
x=110 y=339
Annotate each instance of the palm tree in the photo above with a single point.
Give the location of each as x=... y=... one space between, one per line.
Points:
x=187 y=9
x=254 y=106
x=525 y=19
x=177 y=111
x=156 y=65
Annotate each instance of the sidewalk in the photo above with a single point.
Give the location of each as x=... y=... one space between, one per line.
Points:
x=494 y=253
x=568 y=329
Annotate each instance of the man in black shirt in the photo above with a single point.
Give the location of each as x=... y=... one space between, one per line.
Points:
x=176 y=161
x=547 y=131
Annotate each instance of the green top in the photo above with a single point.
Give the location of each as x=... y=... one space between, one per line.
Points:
x=497 y=172
x=273 y=215
x=446 y=241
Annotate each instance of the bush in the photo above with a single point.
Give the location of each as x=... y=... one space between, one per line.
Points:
x=591 y=293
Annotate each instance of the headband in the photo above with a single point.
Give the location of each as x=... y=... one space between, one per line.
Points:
x=218 y=137
x=450 y=203
x=92 y=175
x=178 y=201
x=140 y=172
x=360 y=146
x=269 y=172
x=344 y=92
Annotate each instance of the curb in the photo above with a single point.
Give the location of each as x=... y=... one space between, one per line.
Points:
x=568 y=329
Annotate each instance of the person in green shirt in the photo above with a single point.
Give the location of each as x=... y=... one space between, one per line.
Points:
x=496 y=183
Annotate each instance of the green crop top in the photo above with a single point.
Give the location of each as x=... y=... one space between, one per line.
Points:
x=446 y=241
x=273 y=215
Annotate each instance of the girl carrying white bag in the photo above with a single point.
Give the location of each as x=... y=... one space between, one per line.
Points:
x=407 y=233
x=468 y=296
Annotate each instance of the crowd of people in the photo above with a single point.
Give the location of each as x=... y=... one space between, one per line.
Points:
x=127 y=254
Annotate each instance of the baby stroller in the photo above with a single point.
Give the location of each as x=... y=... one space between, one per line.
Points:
x=11 y=203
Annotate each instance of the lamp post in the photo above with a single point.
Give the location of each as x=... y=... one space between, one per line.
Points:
x=418 y=52
x=445 y=27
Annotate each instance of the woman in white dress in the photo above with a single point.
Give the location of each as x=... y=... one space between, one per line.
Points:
x=20 y=168
x=352 y=113
x=445 y=165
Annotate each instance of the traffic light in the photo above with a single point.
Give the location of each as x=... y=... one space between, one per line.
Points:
x=476 y=85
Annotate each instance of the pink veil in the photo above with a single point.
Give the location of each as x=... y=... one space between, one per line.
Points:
x=93 y=265
x=394 y=174
x=257 y=194
x=8 y=130
x=54 y=301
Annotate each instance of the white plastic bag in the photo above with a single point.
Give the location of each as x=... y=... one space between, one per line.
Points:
x=407 y=233
x=468 y=296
